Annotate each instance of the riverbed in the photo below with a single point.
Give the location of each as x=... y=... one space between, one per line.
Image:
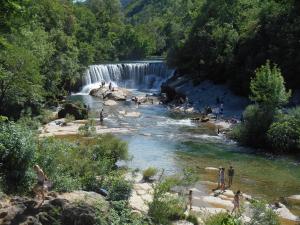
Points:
x=158 y=138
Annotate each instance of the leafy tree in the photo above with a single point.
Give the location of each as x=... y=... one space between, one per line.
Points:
x=268 y=87
x=17 y=150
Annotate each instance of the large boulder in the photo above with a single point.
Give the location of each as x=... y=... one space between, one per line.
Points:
x=77 y=207
x=78 y=110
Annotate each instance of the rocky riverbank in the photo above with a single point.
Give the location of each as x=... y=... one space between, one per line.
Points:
x=204 y=202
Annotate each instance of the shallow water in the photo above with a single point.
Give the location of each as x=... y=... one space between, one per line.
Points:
x=168 y=143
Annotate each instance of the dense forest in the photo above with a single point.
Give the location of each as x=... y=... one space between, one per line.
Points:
x=46 y=45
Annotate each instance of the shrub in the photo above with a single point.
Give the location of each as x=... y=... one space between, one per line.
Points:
x=192 y=218
x=17 y=149
x=118 y=187
x=69 y=118
x=88 y=129
x=253 y=131
x=165 y=207
x=31 y=123
x=71 y=166
x=222 y=219
x=109 y=147
x=149 y=173
x=262 y=214
x=284 y=134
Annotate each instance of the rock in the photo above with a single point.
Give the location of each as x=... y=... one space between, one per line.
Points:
x=211 y=169
x=115 y=95
x=137 y=203
x=119 y=94
x=294 y=199
x=110 y=103
x=133 y=114
x=77 y=110
x=207 y=210
x=78 y=214
x=284 y=213
x=182 y=222
x=218 y=202
x=89 y=198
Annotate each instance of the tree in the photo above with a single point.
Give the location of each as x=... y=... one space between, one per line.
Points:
x=268 y=87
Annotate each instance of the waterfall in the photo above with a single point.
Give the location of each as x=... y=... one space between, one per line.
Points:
x=140 y=75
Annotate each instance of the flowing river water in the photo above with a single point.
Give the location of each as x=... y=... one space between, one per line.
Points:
x=162 y=140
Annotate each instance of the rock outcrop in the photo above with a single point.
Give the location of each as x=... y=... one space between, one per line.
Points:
x=77 y=110
x=117 y=94
x=68 y=209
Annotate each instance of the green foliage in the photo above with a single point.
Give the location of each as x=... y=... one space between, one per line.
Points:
x=69 y=118
x=120 y=213
x=165 y=207
x=71 y=166
x=88 y=129
x=17 y=150
x=268 y=87
x=193 y=219
x=118 y=188
x=222 y=219
x=269 y=94
x=149 y=173
x=253 y=131
x=284 y=133
x=230 y=39
x=262 y=215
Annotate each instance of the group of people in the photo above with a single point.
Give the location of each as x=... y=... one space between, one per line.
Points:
x=221 y=177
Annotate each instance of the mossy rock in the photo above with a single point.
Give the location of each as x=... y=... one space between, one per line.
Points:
x=78 y=110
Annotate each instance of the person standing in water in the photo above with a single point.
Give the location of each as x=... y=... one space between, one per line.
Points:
x=236 y=202
x=39 y=188
x=230 y=176
x=101 y=116
x=190 y=199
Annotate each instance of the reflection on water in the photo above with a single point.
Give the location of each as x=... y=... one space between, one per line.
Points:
x=172 y=144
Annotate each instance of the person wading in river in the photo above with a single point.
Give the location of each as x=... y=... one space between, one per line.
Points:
x=39 y=188
x=190 y=199
x=230 y=176
x=101 y=116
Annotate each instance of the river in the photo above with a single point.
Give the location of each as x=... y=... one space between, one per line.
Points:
x=162 y=140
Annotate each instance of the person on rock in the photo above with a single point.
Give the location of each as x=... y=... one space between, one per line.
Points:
x=230 y=176
x=39 y=188
x=110 y=86
x=222 y=178
x=236 y=202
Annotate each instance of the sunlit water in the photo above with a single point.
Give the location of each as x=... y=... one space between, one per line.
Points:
x=165 y=142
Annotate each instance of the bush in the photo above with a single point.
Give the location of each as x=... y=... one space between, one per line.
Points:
x=284 y=134
x=262 y=215
x=71 y=166
x=222 y=219
x=149 y=173
x=109 y=147
x=69 y=118
x=118 y=187
x=88 y=129
x=31 y=123
x=192 y=218
x=165 y=207
x=17 y=149
x=253 y=131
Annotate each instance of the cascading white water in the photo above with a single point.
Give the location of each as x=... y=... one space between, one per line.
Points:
x=143 y=75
